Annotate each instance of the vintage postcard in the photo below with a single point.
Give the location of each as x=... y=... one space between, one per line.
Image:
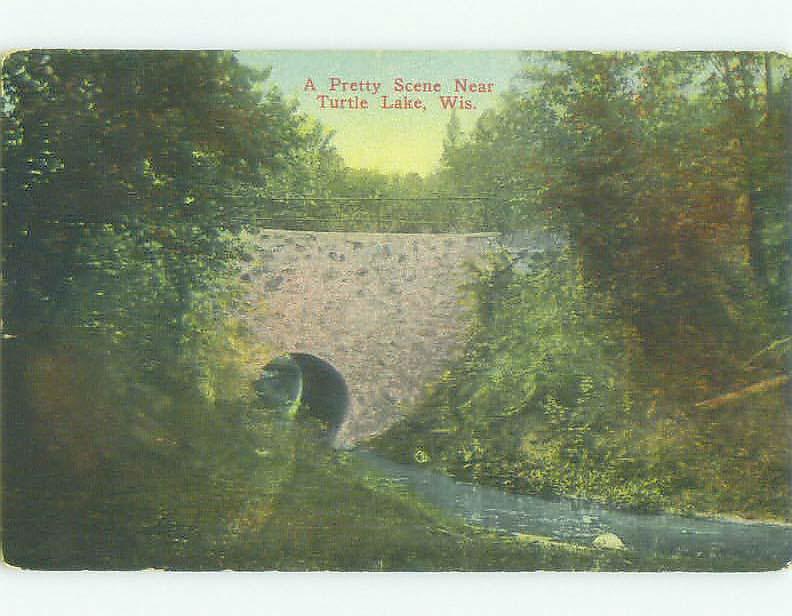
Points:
x=396 y=311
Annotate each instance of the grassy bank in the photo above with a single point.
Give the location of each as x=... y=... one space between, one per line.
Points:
x=554 y=396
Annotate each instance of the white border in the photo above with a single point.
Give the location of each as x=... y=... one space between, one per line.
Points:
x=396 y=24
x=399 y=24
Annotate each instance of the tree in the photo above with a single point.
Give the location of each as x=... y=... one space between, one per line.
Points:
x=647 y=363
x=126 y=177
x=660 y=168
x=142 y=149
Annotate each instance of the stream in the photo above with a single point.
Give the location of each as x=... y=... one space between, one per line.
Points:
x=723 y=543
x=580 y=522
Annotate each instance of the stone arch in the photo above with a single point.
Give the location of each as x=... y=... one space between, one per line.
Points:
x=307 y=386
x=325 y=395
x=384 y=309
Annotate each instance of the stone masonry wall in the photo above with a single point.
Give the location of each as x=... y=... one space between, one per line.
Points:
x=384 y=309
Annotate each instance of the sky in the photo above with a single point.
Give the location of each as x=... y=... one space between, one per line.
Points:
x=390 y=140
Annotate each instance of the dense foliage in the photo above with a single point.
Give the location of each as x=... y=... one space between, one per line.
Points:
x=126 y=377
x=642 y=362
x=646 y=364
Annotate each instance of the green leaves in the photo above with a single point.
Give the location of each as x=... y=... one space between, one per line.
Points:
x=149 y=143
x=120 y=176
x=651 y=163
x=668 y=174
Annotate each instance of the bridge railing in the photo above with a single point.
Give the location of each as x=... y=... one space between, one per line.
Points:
x=431 y=213
x=436 y=213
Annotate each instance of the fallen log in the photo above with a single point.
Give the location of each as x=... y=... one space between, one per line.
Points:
x=756 y=388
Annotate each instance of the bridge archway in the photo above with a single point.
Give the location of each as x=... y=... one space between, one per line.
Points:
x=307 y=386
x=384 y=310
x=325 y=395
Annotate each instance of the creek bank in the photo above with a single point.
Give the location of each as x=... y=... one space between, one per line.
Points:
x=716 y=544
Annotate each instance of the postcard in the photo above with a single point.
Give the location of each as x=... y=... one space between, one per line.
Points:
x=396 y=310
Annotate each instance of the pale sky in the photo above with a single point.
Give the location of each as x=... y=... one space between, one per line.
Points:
x=389 y=140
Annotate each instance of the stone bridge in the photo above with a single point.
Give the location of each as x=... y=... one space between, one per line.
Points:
x=384 y=310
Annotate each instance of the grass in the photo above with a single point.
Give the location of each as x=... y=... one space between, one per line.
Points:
x=336 y=514
x=332 y=513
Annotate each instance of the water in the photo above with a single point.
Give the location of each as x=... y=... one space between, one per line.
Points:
x=769 y=546
x=722 y=543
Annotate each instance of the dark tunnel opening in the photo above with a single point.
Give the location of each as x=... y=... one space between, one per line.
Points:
x=307 y=383
x=324 y=392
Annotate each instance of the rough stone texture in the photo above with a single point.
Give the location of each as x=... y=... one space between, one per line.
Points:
x=608 y=541
x=383 y=309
